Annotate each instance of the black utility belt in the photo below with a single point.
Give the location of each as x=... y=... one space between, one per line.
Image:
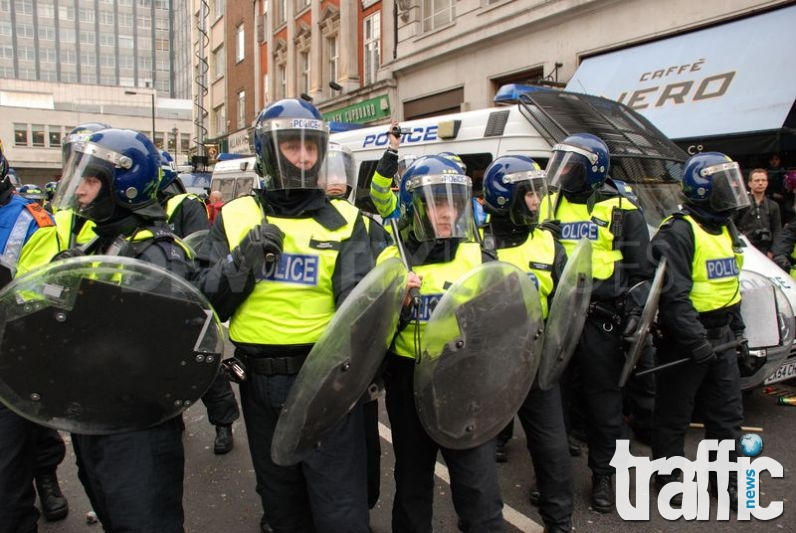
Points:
x=271 y=366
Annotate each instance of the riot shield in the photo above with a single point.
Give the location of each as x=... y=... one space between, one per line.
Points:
x=639 y=337
x=195 y=240
x=342 y=364
x=567 y=316
x=101 y=344
x=477 y=355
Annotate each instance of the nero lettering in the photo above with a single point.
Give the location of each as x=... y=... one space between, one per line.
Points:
x=295 y=268
x=722 y=268
x=574 y=231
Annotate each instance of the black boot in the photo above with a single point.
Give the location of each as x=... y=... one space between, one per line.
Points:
x=534 y=495
x=501 y=455
x=732 y=490
x=574 y=446
x=661 y=481
x=602 y=493
x=224 y=440
x=53 y=504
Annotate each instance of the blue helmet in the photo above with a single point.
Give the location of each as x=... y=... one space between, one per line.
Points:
x=49 y=189
x=169 y=184
x=31 y=192
x=713 y=180
x=456 y=159
x=435 y=196
x=579 y=164
x=290 y=143
x=507 y=182
x=126 y=167
x=79 y=133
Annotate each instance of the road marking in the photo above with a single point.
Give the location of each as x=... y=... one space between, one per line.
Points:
x=510 y=514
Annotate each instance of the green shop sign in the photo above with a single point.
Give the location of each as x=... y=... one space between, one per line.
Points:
x=367 y=111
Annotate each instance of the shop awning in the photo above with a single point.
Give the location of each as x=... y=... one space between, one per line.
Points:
x=736 y=80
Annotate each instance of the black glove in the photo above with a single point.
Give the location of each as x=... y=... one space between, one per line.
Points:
x=703 y=353
x=745 y=362
x=553 y=226
x=632 y=318
x=262 y=243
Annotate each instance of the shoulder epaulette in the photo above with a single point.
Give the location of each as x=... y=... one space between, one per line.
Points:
x=41 y=216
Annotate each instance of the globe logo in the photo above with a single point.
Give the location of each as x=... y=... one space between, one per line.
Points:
x=750 y=445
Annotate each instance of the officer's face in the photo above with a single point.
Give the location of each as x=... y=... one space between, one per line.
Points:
x=302 y=154
x=335 y=188
x=87 y=190
x=532 y=201
x=442 y=216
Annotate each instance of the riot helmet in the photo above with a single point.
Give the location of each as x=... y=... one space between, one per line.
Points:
x=290 y=143
x=79 y=133
x=436 y=197
x=714 y=181
x=404 y=162
x=32 y=192
x=6 y=182
x=49 y=190
x=109 y=170
x=514 y=186
x=169 y=180
x=578 y=164
x=339 y=171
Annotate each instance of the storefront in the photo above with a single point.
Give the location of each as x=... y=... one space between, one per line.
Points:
x=728 y=88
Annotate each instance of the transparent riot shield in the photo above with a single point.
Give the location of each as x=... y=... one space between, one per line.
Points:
x=342 y=364
x=639 y=337
x=477 y=355
x=195 y=240
x=567 y=316
x=101 y=344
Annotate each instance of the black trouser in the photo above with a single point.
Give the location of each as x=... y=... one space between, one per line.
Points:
x=542 y=419
x=592 y=383
x=713 y=389
x=370 y=412
x=640 y=392
x=327 y=490
x=134 y=480
x=473 y=472
x=18 y=438
x=220 y=402
x=50 y=451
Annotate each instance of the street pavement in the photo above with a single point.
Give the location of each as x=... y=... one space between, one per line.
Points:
x=220 y=495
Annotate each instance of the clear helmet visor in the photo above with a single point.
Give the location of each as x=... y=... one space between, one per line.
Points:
x=530 y=190
x=566 y=171
x=85 y=186
x=442 y=207
x=728 y=191
x=295 y=151
x=338 y=175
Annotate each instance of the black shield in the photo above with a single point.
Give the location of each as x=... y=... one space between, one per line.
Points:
x=342 y=364
x=477 y=355
x=99 y=345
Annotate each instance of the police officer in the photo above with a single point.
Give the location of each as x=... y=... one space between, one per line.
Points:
x=27 y=451
x=699 y=310
x=32 y=192
x=435 y=201
x=338 y=177
x=590 y=205
x=49 y=192
x=514 y=186
x=133 y=479
x=278 y=265
x=186 y=214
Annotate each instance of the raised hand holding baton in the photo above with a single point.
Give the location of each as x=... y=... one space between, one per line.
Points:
x=414 y=292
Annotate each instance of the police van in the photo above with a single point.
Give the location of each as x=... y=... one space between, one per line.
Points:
x=531 y=122
x=234 y=177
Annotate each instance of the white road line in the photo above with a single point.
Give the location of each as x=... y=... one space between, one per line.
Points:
x=510 y=514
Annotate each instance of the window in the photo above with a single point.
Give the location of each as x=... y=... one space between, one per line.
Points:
x=26 y=53
x=301 y=4
x=334 y=57
x=25 y=30
x=304 y=72
x=219 y=62
x=45 y=11
x=47 y=55
x=218 y=8
x=67 y=35
x=240 y=44
x=88 y=58
x=107 y=39
x=162 y=45
x=46 y=33
x=241 y=110
x=372 y=46
x=88 y=37
x=86 y=15
x=5 y=29
x=55 y=136
x=106 y=17
x=437 y=13
x=144 y=22
x=125 y=20
x=281 y=89
x=126 y=41
x=20 y=134
x=68 y=57
x=88 y=76
x=37 y=135
x=66 y=13
x=281 y=12
x=220 y=120
x=24 y=7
